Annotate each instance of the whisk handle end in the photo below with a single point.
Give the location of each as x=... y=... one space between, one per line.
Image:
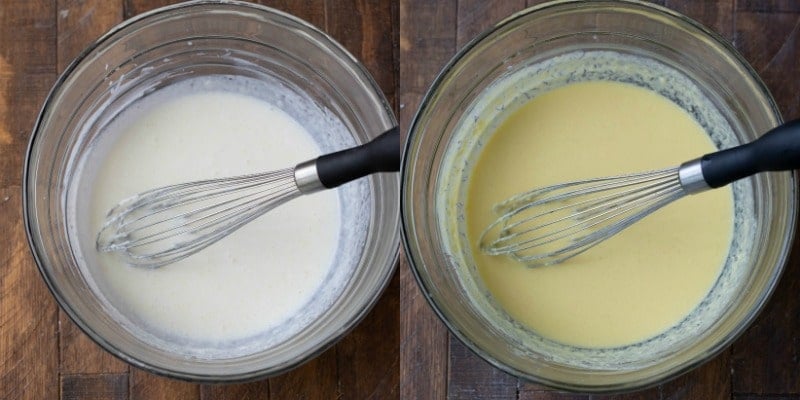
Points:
x=776 y=150
x=382 y=154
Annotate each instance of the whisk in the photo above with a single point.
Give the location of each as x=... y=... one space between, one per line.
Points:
x=164 y=225
x=548 y=225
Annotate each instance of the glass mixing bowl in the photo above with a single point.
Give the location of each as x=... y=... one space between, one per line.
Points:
x=156 y=50
x=514 y=56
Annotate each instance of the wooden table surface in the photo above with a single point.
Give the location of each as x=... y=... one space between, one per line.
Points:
x=763 y=364
x=43 y=355
x=403 y=43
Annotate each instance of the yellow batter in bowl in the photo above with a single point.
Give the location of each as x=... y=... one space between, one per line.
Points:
x=559 y=46
x=651 y=296
x=644 y=280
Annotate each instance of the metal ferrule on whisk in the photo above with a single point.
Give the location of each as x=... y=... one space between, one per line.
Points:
x=306 y=177
x=691 y=177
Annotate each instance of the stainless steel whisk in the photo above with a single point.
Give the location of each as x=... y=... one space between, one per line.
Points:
x=164 y=225
x=548 y=225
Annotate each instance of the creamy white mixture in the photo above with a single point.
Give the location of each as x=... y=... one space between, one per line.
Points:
x=267 y=274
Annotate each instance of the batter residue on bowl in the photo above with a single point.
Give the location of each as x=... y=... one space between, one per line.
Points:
x=637 y=284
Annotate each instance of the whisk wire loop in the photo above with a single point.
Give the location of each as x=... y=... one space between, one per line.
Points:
x=205 y=213
x=587 y=214
x=164 y=225
x=548 y=225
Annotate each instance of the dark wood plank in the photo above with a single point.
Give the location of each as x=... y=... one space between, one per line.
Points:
x=258 y=390
x=768 y=6
x=476 y=16
x=647 y=394
x=427 y=41
x=428 y=37
x=765 y=397
x=27 y=69
x=365 y=29
x=771 y=43
x=368 y=358
x=131 y=8
x=530 y=391
x=536 y=392
x=423 y=343
x=469 y=377
x=80 y=355
x=711 y=381
x=312 y=11
x=766 y=359
x=28 y=314
x=79 y=23
x=317 y=379
x=146 y=386
x=94 y=387
x=717 y=15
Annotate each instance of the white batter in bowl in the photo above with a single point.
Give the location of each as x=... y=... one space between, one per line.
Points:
x=202 y=90
x=266 y=281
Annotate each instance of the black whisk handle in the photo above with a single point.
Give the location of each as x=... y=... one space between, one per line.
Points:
x=776 y=150
x=382 y=154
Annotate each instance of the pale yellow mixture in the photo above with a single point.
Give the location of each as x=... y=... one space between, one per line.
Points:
x=637 y=284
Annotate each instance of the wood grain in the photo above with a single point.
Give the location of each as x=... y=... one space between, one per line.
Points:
x=768 y=6
x=369 y=360
x=771 y=43
x=94 y=387
x=80 y=355
x=132 y=8
x=469 y=377
x=710 y=381
x=476 y=16
x=766 y=360
x=27 y=69
x=146 y=386
x=716 y=15
x=317 y=379
x=313 y=11
x=80 y=22
x=538 y=394
x=427 y=41
x=28 y=314
x=258 y=390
